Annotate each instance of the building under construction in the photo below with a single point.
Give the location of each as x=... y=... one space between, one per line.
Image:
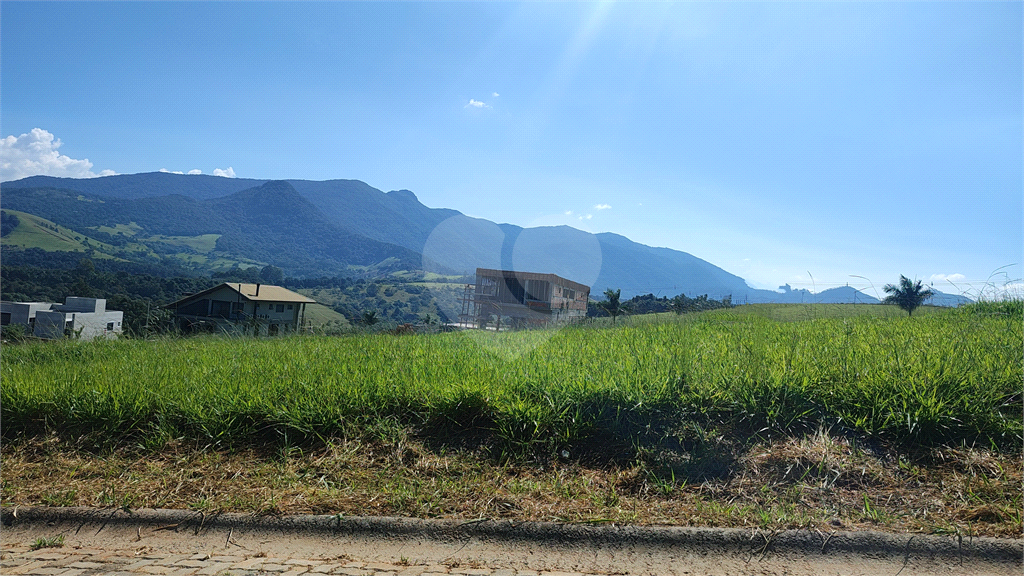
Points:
x=524 y=298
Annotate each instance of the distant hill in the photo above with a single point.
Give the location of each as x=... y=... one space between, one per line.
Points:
x=395 y=217
x=145 y=185
x=271 y=223
x=312 y=228
x=848 y=295
x=840 y=295
x=943 y=299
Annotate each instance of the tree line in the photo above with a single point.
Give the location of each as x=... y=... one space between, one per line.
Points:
x=650 y=304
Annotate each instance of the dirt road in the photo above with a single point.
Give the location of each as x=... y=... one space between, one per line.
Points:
x=179 y=542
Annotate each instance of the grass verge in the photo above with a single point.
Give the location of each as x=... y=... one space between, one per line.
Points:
x=818 y=481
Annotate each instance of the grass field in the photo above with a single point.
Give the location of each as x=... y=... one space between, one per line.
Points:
x=129 y=229
x=204 y=243
x=939 y=378
x=678 y=416
x=799 y=312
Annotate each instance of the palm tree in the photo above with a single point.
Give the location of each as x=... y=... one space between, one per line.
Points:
x=612 y=305
x=369 y=317
x=907 y=295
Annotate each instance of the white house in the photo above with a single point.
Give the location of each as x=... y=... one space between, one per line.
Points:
x=84 y=318
x=260 y=309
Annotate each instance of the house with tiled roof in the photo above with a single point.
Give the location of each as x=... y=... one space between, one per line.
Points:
x=256 y=309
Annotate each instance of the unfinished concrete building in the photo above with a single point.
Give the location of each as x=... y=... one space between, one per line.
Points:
x=523 y=299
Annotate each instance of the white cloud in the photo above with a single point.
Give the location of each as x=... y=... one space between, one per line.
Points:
x=947 y=277
x=602 y=207
x=475 y=104
x=35 y=154
x=495 y=94
x=229 y=173
x=196 y=171
x=1008 y=291
x=568 y=212
x=166 y=171
x=586 y=217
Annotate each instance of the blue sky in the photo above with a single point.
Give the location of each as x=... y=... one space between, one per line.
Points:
x=779 y=141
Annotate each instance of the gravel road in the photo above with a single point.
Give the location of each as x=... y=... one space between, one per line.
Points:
x=181 y=542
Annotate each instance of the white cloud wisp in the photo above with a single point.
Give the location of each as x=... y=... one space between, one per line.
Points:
x=229 y=172
x=35 y=154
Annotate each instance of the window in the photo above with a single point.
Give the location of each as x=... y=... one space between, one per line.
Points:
x=195 y=308
x=538 y=290
x=487 y=287
x=280 y=307
x=221 y=308
x=110 y=325
x=289 y=306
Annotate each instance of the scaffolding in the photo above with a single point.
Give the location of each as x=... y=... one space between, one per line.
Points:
x=524 y=298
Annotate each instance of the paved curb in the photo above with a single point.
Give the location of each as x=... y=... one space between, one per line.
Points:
x=699 y=541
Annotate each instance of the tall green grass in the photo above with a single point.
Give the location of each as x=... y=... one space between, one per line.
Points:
x=943 y=378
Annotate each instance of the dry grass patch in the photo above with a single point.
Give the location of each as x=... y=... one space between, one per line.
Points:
x=818 y=482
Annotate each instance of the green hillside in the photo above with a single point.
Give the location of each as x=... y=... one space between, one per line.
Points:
x=35 y=232
x=269 y=224
x=319 y=315
x=396 y=302
x=125 y=244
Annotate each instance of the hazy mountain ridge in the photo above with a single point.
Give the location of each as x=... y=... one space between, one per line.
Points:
x=270 y=223
x=316 y=227
x=395 y=217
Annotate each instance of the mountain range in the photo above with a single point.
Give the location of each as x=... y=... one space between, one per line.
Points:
x=346 y=227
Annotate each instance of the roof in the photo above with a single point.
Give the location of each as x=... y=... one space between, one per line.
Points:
x=523 y=276
x=267 y=293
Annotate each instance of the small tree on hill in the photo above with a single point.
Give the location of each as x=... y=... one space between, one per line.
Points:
x=370 y=317
x=612 y=305
x=907 y=295
x=272 y=274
